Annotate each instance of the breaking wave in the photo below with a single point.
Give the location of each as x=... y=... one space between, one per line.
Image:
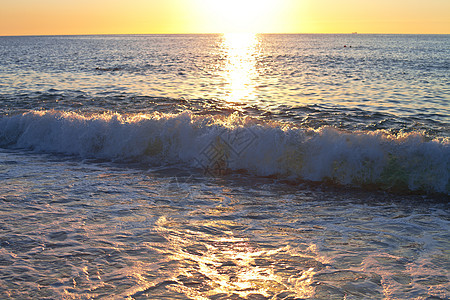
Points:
x=404 y=162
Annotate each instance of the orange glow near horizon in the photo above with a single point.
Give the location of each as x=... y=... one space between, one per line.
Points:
x=52 y=17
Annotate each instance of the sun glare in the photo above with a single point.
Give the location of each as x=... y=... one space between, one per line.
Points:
x=240 y=68
x=238 y=16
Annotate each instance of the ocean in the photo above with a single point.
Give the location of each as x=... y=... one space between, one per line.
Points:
x=234 y=166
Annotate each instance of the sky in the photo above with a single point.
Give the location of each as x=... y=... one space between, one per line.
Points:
x=65 y=17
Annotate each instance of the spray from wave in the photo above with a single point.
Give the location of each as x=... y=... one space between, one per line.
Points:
x=406 y=162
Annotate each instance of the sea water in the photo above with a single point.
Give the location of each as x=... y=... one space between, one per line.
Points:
x=231 y=166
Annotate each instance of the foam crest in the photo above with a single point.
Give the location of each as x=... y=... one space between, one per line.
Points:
x=223 y=144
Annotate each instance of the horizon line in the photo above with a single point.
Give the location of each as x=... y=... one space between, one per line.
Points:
x=219 y=33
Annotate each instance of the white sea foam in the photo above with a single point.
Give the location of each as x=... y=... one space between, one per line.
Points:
x=219 y=144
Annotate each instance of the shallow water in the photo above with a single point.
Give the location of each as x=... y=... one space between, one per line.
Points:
x=80 y=229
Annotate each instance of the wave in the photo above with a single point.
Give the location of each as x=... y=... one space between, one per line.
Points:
x=220 y=144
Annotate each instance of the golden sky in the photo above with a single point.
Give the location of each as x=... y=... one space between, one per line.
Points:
x=55 y=17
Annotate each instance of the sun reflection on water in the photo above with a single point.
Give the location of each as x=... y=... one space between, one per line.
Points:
x=240 y=69
x=212 y=260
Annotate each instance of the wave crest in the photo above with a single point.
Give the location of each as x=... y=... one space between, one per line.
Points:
x=377 y=159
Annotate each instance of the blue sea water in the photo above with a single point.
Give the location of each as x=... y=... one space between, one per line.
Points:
x=231 y=166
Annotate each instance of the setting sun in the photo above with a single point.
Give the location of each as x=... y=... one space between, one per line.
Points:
x=239 y=15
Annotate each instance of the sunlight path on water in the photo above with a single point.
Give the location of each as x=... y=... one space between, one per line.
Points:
x=227 y=263
x=240 y=67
